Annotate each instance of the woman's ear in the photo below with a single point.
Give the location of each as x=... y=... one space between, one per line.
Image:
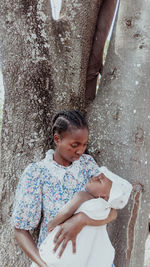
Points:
x=56 y=138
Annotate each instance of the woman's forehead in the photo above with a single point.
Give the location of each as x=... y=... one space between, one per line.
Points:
x=76 y=134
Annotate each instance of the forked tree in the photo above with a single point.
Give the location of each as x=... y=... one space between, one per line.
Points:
x=44 y=64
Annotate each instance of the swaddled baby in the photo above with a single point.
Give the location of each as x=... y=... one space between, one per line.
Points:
x=94 y=248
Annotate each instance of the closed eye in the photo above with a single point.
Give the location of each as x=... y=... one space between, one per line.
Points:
x=74 y=145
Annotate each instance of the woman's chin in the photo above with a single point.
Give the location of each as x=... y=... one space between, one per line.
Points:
x=75 y=158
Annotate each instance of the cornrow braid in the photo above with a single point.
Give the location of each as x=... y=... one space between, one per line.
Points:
x=65 y=119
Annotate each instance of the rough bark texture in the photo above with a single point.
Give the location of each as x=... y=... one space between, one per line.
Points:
x=95 y=65
x=119 y=120
x=44 y=65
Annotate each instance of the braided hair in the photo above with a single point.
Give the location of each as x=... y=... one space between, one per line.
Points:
x=64 y=120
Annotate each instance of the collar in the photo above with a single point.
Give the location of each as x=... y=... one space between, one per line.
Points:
x=58 y=170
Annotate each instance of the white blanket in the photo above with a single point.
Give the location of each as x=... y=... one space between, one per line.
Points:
x=93 y=244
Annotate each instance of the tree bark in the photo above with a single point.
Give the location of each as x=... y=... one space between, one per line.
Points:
x=119 y=120
x=95 y=65
x=44 y=63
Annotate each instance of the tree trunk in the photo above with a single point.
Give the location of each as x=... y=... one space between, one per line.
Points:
x=44 y=63
x=119 y=120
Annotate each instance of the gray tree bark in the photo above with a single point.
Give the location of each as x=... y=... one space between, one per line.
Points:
x=44 y=68
x=119 y=120
x=44 y=63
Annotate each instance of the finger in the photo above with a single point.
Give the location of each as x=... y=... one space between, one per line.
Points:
x=113 y=213
x=50 y=223
x=74 y=245
x=64 y=244
x=103 y=176
x=51 y=228
x=58 y=234
x=95 y=178
x=58 y=242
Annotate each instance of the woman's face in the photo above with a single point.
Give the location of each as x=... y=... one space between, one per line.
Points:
x=99 y=186
x=70 y=145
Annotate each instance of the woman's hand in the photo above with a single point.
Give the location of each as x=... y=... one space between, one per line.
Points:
x=51 y=225
x=72 y=227
x=112 y=216
x=43 y=265
x=69 y=231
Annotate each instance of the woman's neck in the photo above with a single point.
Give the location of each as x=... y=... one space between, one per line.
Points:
x=60 y=160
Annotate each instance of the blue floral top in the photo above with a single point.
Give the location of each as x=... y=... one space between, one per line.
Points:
x=45 y=187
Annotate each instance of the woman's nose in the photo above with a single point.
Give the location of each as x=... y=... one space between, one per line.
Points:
x=80 y=151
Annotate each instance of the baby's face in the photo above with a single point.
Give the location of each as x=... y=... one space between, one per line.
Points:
x=99 y=186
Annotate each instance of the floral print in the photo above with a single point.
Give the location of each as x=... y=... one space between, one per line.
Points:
x=45 y=187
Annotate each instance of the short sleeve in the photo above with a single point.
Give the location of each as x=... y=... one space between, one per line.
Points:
x=96 y=209
x=28 y=200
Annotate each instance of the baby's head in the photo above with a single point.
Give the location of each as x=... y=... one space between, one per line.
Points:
x=111 y=187
x=99 y=186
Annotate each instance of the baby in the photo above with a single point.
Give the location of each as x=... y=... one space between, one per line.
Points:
x=94 y=248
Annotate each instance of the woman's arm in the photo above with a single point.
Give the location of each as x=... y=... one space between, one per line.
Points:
x=69 y=209
x=91 y=222
x=28 y=245
x=72 y=227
